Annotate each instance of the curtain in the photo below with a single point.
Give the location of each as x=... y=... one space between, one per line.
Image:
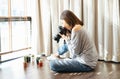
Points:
x=100 y=17
x=109 y=30
x=48 y=12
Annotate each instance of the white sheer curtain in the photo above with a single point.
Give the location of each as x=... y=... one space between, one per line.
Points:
x=109 y=30
x=100 y=17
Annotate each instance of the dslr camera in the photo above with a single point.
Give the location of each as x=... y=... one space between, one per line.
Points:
x=62 y=31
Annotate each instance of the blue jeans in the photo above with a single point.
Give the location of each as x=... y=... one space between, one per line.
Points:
x=67 y=65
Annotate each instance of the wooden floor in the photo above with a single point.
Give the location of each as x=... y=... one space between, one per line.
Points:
x=15 y=69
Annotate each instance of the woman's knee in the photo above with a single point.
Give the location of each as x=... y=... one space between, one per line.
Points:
x=62 y=49
x=53 y=65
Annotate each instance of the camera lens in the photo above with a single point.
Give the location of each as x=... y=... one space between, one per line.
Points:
x=57 y=38
x=61 y=30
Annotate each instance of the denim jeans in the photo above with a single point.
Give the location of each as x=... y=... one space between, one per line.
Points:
x=67 y=65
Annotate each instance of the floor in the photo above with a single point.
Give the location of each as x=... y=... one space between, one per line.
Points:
x=17 y=69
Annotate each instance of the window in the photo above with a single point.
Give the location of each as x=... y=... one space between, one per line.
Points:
x=15 y=26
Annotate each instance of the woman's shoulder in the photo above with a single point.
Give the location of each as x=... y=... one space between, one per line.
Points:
x=77 y=28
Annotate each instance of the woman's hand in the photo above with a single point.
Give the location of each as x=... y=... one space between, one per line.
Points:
x=64 y=36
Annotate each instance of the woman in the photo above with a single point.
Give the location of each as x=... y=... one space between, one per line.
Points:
x=83 y=56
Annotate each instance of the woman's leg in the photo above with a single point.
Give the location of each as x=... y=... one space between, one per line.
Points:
x=68 y=65
x=63 y=49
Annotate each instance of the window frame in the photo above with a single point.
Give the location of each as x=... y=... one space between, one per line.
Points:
x=15 y=18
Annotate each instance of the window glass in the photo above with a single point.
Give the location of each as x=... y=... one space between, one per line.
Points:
x=4 y=37
x=3 y=8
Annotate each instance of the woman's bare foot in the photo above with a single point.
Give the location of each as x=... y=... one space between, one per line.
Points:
x=56 y=55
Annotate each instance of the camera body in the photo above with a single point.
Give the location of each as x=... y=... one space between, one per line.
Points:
x=61 y=30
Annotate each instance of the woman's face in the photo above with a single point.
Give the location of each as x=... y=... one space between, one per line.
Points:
x=66 y=25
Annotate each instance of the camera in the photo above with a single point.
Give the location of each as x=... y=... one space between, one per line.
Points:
x=61 y=30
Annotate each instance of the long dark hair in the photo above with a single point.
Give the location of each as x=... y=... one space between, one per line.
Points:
x=70 y=18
